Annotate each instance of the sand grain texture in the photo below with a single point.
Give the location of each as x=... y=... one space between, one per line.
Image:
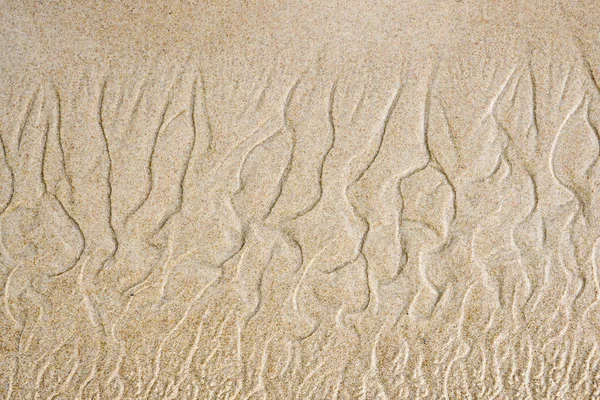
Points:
x=299 y=200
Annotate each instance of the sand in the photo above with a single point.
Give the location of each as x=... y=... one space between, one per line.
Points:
x=299 y=200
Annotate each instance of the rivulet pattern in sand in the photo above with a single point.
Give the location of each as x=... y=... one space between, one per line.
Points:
x=302 y=200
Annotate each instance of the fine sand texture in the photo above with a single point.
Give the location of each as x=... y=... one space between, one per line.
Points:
x=386 y=199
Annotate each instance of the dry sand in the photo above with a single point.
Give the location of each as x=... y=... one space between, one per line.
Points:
x=299 y=200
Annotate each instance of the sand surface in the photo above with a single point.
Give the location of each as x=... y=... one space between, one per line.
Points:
x=299 y=200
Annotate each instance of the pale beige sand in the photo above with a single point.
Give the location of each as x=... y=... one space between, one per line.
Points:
x=301 y=200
